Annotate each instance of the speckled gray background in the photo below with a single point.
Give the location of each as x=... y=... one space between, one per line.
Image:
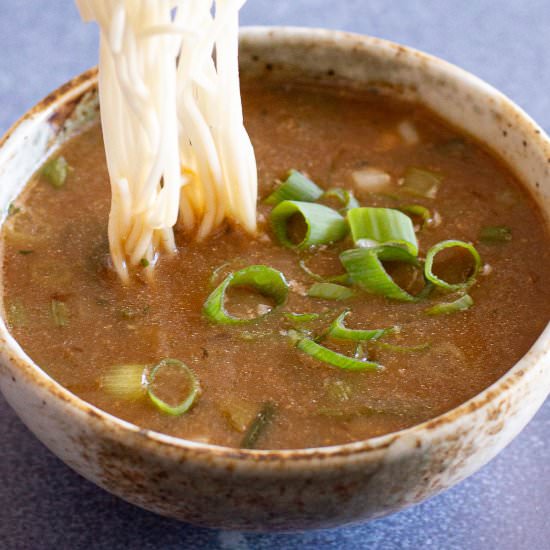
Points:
x=506 y=506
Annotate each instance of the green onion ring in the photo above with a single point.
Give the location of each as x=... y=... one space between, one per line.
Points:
x=343 y=196
x=339 y=331
x=187 y=403
x=125 y=381
x=418 y=348
x=296 y=187
x=461 y=304
x=495 y=234
x=301 y=317
x=417 y=210
x=55 y=171
x=333 y=358
x=365 y=268
x=329 y=291
x=422 y=182
x=383 y=226
x=324 y=225
x=266 y=280
x=60 y=313
x=326 y=355
x=443 y=245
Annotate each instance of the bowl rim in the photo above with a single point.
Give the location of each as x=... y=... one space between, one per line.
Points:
x=520 y=371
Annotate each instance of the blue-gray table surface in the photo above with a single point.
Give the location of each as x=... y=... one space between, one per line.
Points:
x=506 y=505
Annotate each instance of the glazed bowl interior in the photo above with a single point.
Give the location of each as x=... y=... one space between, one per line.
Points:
x=458 y=97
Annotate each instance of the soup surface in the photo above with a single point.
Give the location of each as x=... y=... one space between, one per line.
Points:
x=75 y=319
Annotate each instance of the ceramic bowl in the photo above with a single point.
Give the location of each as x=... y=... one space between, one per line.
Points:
x=296 y=489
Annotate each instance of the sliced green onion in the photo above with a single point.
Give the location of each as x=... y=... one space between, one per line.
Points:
x=395 y=253
x=326 y=355
x=259 y=425
x=254 y=335
x=144 y=262
x=443 y=245
x=323 y=224
x=343 y=196
x=55 y=171
x=418 y=211
x=187 y=402
x=60 y=313
x=365 y=268
x=422 y=182
x=461 y=304
x=296 y=187
x=342 y=279
x=301 y=317
x=238 y=413
x=339 y=390
x=339 y=331
x=125 y=381
x=25 y=252
x=383 y=225
x=403 y=349
x=329 y=291
x=497 y=234
x=266 y=280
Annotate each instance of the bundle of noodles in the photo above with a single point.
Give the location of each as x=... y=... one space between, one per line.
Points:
x=172 y=122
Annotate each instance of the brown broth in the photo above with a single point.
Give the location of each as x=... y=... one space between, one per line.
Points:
x=327 y=133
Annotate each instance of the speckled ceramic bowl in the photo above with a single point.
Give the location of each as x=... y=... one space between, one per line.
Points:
x=298 y=489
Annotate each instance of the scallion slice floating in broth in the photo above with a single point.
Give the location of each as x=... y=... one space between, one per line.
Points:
x=329 y=291
x=343 y=196
x=421 y=182
x=396 y=348
x=383 y=226
x=496 y=234
x=339 y=331
x=184 y=403
x=365 y=268
x=55 y=171
x=326 y=355
x=125 y=381
x=301 y=317
x=417 y=211
x=322 y=224
x=259 y=425
x=444 y=245
x=296 y=187
x=60 y=313
x=266 y=280
x=461 y=304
